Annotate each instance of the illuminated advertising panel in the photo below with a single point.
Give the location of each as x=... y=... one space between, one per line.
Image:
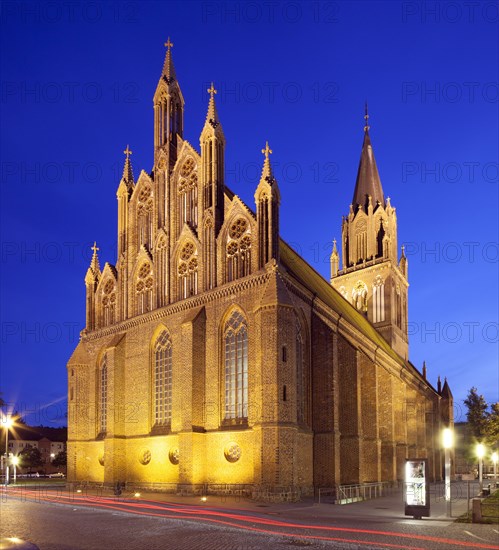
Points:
x=416 y=488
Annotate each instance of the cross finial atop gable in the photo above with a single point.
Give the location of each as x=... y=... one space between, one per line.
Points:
x=169 y=44
x=366 y=118
x=127 y=151
x=267 y=151
x=211 y=90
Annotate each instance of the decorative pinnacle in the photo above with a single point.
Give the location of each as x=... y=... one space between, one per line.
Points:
x=267 y=168
x=212 y=115
x=127 y=169
x=168 y=44
x=366 y=118
x=94 y=263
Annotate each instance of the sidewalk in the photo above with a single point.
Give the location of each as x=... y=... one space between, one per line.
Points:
x=388 y=508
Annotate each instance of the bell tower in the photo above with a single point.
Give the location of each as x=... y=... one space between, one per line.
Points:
x=372 y=277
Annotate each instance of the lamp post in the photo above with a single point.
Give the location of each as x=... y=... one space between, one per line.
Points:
x=480 y=453
x=15 y=461
x=494 y=461
x=7 y=424
x=448 y=443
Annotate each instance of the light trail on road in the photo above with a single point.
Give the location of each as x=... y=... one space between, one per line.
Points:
x=242 y=521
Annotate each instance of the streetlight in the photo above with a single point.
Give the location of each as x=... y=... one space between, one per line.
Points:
x=494 y=461
x=480 y=453
x=448 y=443
x=7 y=424
x=15 y=461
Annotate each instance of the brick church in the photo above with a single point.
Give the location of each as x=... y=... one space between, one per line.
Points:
x=215 y=357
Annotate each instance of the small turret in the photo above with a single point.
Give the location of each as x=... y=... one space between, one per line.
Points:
x=335 y=261
x=267 y=199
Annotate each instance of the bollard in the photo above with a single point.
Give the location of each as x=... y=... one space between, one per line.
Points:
x=476 y=510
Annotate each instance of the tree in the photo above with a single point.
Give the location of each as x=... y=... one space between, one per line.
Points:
x=30 y=457
x=477 y=413
x=492 y=426
x=60 y=460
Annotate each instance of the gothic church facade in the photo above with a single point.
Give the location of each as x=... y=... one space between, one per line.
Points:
x=215 y=357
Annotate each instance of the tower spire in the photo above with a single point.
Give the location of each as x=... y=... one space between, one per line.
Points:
x=368 y=182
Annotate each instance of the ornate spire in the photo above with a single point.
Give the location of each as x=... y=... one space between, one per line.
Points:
x=368 y=183
x=212 y=115
x=168 y=69
x=127 y=169
x=267 y=173
x=94 y=263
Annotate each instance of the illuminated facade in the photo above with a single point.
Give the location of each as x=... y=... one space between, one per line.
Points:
x=215 y=358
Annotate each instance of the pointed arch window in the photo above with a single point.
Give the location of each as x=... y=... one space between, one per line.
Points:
x=238 y=250
x=359 y=296
x=398 y=306
x=103 y=395
x=380 y=236
x=187 y=271
x=163 y=380
x=143 y=288
x=235 y=342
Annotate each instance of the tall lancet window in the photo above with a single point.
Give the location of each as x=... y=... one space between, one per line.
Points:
x=379 y=238
x=163 y=380
x=143 y=289
x=187 y=271
x=235 y=340
x=103 y=396
x=238 y=250
x=188 y=194
x=144 y=217
x=378 y=300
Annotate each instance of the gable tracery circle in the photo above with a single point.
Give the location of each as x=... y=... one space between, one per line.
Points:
x=187 y=167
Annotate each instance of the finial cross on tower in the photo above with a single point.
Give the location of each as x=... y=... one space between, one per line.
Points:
x=168 y=44
x=127 y=151
x=366 y=118
x=267 y=150
x=211 y=90
x=94 y=248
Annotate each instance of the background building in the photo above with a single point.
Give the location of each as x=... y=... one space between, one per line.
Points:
x=213 y=354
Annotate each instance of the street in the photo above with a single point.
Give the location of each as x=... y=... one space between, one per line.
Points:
x=57 y=519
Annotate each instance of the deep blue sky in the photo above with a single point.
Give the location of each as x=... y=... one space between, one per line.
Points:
x=77 y=81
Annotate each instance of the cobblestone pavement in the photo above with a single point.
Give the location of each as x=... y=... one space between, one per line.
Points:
x=57 y=518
